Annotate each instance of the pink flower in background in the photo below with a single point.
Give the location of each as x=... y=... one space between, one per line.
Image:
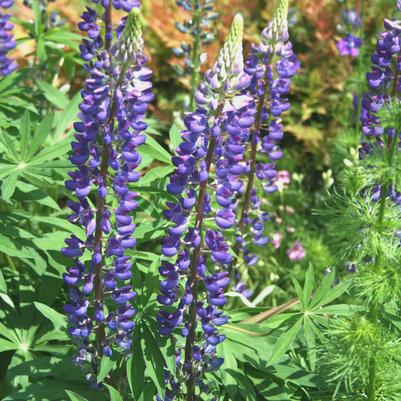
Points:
x=297 y=252
x=283 y=179
x=276 y=240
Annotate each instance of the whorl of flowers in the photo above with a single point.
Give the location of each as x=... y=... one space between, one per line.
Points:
x=115 y=99
x=383 y=80
x=196 y=273
x=270 y=67
x=7 y=42
x=350 y=44
x=199 y=27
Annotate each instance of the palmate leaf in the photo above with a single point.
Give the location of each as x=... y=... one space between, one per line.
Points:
x=27 y=161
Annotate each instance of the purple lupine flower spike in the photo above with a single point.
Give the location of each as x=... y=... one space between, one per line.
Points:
x=7 y=42
x=197 y=252
x=270 y=67
x=383 y=80
x=115 y=98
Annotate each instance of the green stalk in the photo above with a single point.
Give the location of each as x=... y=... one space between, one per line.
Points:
x=374 y=309
x=195 y=55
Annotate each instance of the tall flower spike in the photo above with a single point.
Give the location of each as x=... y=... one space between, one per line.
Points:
x=199 y=27
x=195 y=275
x=270 y=68
x=383 y=80
x=7 y=42
x=115 y=99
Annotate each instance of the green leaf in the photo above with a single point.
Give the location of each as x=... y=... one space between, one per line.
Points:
x=3 y=291
x=25 y=134
x=106 y=365
x=35 y=194
x=333 y=294
x=74 y=396
x=299 y=291
x=59 y=320
x=309 y=329
x=69 y=114
x=52 y=94
x=308 y=286
x=41 y=133
x=14 y=248
x=154 y=149
x=9 y=146
x=341 y=309
x=6 y=345
x=156 y=173
x=148 y=393
x=114 y=394
x=175 y=137
x=136 y=364
x=323 y=288
x=154 y=361
x=63 y=37
x=284 y=342
x=41 y=50
x=8 y=186
x=58 y=149
x=230 y=364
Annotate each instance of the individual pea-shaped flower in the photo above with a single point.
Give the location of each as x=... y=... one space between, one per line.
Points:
x=349 y=45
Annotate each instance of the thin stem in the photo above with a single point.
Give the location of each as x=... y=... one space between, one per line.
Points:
x=194 y=276
x=254 y=150
x=11 y=262
x=100 y=204
x=195 y=54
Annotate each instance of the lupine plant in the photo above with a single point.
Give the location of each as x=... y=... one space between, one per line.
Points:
x=116 y=96
x=142 y=251
x=198 y=27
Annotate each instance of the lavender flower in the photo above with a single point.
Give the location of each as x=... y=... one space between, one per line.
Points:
x=270 y=68
x=7 y=42
x=351 y=18
x=115 y=98
x=349 y=46
x=199 y=252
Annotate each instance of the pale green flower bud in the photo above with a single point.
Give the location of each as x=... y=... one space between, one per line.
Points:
x=130 y=42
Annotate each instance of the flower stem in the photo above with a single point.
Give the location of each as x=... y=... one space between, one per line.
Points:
x=195 y=55
x=194 y=276
x=100 y=204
